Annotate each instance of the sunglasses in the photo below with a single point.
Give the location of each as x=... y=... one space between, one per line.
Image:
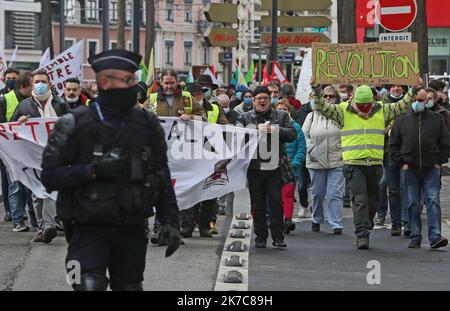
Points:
x=329 y=96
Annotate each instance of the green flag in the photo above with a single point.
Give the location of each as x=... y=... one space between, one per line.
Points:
x=144 y=71
x=190 y=77
x=250 y=73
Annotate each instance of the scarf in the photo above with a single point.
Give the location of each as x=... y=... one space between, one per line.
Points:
x=45 y=110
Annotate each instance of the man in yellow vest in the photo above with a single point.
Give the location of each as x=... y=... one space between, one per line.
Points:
x=204 y=211
x=363 y=123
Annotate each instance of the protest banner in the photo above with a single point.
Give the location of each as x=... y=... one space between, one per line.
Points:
x=368 y=63
x=206 y=160
x=68 y=64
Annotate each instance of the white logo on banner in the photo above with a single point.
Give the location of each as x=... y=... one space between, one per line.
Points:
x=206 y=160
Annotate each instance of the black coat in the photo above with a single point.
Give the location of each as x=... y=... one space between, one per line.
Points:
x=29 y=107
x=420 y=140
x=303 y=113
x=232 y=116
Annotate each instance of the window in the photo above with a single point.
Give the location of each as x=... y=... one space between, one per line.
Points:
x=112 y=44
x=130 y=46
x=92 y=10
x=70 y=9
x=169 y=52
x=188 y=11
x=188 y=53
x=92 y=47
x=128 y=12
x=205 y=54
x=170 y=10
x=113 y=11
x=68 y=43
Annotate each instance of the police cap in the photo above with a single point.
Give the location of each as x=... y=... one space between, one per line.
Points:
x=115 y=59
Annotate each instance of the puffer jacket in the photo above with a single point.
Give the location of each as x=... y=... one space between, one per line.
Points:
x=323 y=142
x=296 y=150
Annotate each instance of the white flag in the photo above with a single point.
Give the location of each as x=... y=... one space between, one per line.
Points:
x=68 y=64
x=304 y=80
x=213 y=77
x=45 y=58
x=13 y=57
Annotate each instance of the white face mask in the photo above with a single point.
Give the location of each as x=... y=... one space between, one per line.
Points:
x=72 y=100
x=344 y=96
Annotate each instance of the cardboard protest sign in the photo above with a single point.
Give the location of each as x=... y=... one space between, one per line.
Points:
x=368 y=63
x=68 y=64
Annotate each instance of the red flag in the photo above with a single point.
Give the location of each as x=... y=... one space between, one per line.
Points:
x=213 y=70
x=255 y=74
x=265 y=80
x=277 y=73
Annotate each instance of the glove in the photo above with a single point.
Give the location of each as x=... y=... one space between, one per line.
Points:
x=108 y=168
x=171 y=236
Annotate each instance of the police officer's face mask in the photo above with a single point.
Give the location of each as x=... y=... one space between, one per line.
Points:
x=123 y=99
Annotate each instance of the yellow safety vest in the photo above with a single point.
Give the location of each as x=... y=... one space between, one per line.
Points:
x=213 y=116
x=154 y=101
x=11 y=104
x=362 y=139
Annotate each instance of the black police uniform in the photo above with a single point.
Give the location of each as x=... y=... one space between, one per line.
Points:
x=109 y=165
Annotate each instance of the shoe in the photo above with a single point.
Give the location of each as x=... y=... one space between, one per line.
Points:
x=39 y=237
x=362 y=242
x=380 y=221
x=212 y=228
x=7 y=217
x=260 y=243
x=154 y=238
x=396 y=231
x=442 y=242
x=301 y=212
x=406 y=229
x=315 y=227
x=337 y=231
x=279 y=243
x=25 y=217
x=186 y=232
x=205 y=233
x=49 y=235
x=288 y=226
x=414 y=244
x=21 y=228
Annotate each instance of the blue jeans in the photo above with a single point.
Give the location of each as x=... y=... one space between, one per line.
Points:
x=329 y=183
x=17 y=201
x=431 y=186
x=392 y=170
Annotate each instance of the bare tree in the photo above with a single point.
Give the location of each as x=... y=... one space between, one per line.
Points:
x=346 y=15
x=121 y=6
x=46 y=18
x=419 y=30
x=149 y=28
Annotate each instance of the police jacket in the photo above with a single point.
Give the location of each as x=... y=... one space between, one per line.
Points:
x=420 y=140
x=29 y=107
x=82 y=198
x=285 y=131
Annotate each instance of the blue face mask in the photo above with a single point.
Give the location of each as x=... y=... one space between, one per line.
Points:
x=418 y=106
x=238 y=95
x=40 y=88
x=429 y=104
x=11 y=84
x=248 y=101
x=273 y=101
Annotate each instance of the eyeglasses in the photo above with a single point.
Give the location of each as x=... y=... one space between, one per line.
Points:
x=262 y=98
x=329 y=96
x=128 y=80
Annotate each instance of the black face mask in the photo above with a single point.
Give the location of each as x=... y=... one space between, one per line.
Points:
x=122 y=99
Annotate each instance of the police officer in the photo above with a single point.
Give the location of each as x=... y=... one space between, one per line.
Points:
x=109 y=163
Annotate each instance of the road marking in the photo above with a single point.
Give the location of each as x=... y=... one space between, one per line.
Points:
x=393 y=10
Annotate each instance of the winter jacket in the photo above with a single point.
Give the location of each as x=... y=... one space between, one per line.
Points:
x=420 y=140
x=323 y=141
x=303 y=113
x=29 y=107
x=296 y=150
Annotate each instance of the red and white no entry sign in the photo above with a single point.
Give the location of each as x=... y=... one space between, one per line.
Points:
x=396 y=15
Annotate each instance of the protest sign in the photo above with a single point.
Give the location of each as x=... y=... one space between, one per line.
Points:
x=68 y=64
x=369 y=63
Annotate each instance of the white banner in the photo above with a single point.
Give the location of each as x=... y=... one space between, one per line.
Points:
x=203 y=164
x=304 y=80
x=68 y=64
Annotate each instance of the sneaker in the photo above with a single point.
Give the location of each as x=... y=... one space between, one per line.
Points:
x=406 y=229
x=8 y=217
x=49 y=235
x=154 y=238
x=279 y=243
x=414 y=244
x=22 y=227
x=396 y=231
x=442 y=242
x=337 y=231
x=302 y=212
x=380 y=221
x=289 y=226
x=212 y=227
x=362 y=242
x=260 y=243
x=315 y=227
x=39 y=237
x=205 y=233
x=186 y=232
